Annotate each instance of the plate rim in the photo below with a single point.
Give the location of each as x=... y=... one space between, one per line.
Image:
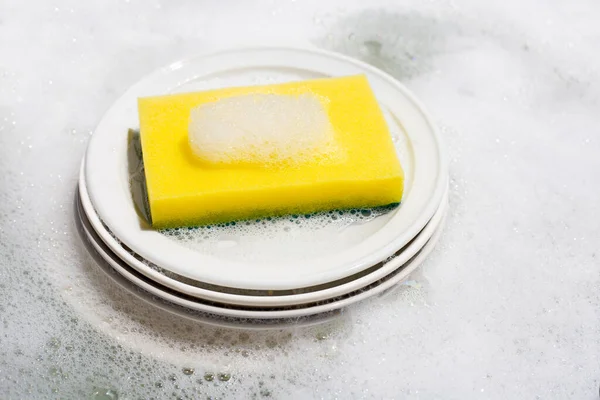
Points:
x=232 y=312
x=409 y=250
x=215 y=320
x=383 y=251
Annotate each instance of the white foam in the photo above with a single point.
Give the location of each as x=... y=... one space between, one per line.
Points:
x=284 y=239
x=486 y=322
x=261 y=129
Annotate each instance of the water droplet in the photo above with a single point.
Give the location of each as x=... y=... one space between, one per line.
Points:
x=224 y=377
x=105 y=394
x=209 y=377
x=188 y=371
x=54 y=343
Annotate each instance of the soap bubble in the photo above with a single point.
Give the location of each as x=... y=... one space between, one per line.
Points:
x=263 y=129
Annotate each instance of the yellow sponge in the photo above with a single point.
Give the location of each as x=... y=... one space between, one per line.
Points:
x=359 y=168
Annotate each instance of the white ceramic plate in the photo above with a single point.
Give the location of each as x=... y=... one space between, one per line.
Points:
x=298 y=311
x=311 y=262
x=200 y=290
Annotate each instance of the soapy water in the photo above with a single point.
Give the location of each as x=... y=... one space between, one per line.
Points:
x=195 y=359
x=401 y=44
x=510 y=324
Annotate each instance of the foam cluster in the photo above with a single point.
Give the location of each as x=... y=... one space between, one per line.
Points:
x=261 y=129
x=280 y=239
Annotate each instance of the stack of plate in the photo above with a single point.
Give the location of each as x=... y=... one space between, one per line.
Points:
x=272 y=269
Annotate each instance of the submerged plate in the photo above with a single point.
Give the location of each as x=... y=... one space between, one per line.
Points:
x=308 y=257
x=151 y=288
x=260 y=298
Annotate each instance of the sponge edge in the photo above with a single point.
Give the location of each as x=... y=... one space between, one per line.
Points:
x=263 y=129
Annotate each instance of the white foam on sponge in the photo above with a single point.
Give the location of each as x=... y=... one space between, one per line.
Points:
x=262 y=129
